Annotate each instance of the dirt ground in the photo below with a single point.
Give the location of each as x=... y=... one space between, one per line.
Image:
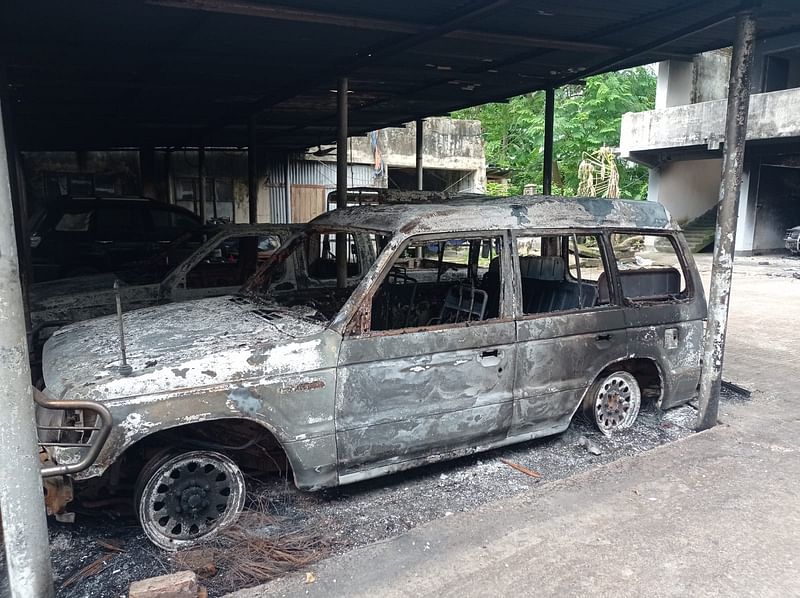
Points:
x=359 y=514
x=373 y=511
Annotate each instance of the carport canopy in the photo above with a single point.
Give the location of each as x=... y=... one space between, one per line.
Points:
x=183 y=73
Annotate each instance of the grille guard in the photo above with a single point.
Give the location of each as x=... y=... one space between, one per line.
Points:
x=98 y=433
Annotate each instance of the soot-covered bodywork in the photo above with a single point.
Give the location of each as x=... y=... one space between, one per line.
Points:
x=348 y=399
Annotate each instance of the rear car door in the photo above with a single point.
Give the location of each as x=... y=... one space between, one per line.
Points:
x=569 y=325
x=431 y=373
x=665 y=306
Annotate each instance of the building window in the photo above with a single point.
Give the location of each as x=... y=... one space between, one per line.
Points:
x=219 y=197
x=70 y=184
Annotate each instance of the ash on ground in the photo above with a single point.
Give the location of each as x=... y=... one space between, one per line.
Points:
x=366 y=512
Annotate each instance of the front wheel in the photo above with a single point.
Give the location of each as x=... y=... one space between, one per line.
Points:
x=186 y=498
x=614 y=401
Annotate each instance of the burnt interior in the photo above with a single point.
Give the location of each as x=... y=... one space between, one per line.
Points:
x=445 y=281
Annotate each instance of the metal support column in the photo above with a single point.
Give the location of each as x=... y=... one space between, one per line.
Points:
x=147 y=172
x=287 y=186
x=169 y=166
x=252 y=171
x=201 y=183
x=725 y=238
x=420 y=170
x=419 y=131
x=341 y=181
x=549 y=119
x=27 y=546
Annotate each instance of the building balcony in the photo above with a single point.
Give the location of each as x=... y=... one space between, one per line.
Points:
x=698 y=130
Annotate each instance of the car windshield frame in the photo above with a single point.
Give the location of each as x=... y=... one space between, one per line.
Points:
x=258 y=285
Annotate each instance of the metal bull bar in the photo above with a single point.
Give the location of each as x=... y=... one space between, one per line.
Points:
x=95 y=435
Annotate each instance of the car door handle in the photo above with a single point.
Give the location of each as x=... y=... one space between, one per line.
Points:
x=490 y=358
x=603 y=337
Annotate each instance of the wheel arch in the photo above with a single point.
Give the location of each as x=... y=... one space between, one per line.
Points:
x=646 y=370
x=230 y=430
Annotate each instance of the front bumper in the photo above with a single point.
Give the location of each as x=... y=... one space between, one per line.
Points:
x=792 y=244
x=70 y=447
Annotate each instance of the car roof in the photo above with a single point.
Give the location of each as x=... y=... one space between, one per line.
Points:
x=484 y=213
x=93 y=202
x=258 y=228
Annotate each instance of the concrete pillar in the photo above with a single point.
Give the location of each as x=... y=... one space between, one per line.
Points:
x=725 y=238
x=748 y=201
x=25 y=537
x=674 y=87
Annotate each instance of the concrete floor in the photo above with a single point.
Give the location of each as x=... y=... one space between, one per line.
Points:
x=715 y=514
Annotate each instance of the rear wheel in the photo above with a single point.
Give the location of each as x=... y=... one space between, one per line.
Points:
x=614 y=401
x=186 y=498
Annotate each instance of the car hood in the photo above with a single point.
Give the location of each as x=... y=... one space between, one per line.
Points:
x=796 y=228
x=43 y=293
x=181 y=345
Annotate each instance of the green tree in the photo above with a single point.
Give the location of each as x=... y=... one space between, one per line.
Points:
x=587 y=117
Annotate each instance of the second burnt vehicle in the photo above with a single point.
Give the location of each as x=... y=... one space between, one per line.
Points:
x=463 y=326
x=204 y=263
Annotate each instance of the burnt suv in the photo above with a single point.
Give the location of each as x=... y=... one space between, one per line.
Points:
x=461 y=326
x=80 y=236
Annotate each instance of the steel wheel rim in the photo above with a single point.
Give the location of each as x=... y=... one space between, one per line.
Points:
x=617 y=402
x=189 y=498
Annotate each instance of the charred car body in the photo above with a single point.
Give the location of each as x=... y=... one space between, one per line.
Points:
x=464 y=326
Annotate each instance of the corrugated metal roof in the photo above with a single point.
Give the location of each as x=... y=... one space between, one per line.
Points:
x=96 y=74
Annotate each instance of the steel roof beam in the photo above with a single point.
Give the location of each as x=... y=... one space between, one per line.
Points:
x=286 y=13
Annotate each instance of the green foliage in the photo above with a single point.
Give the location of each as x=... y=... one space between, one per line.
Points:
x=587 y=117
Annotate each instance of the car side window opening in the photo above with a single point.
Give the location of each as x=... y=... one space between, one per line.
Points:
x=314 y=293
x=321 y=256
x=649 y=267
x=561 y=273
x=440 y=281
x=228 y=264
x=74 y=222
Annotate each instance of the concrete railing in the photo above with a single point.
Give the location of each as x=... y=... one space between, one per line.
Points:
x=773 y=115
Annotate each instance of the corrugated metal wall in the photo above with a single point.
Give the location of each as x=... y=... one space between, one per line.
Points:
x=310 y=172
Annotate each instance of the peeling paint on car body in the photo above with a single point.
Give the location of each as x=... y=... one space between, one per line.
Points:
x=347 y=403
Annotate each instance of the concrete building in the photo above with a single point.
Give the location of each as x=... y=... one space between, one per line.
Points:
x=681 y=141
x=290 y=190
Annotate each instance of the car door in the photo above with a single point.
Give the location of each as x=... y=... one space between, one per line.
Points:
x=665 y=306
x=569 y=326
x=406 y=393
x=120 y=234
